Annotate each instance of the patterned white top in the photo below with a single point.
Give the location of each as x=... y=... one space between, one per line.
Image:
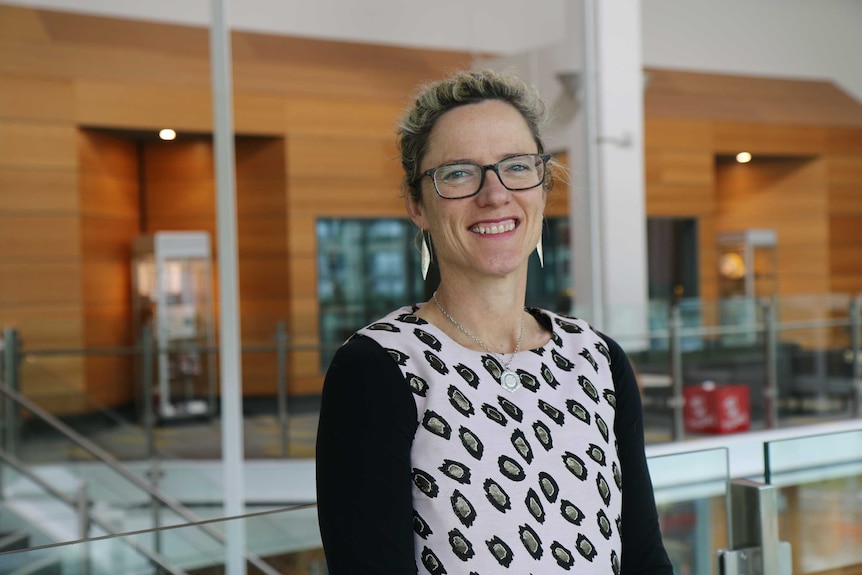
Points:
x=527 y=481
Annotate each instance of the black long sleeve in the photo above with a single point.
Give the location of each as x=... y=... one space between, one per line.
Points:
x=642 y=549
x=364 y=501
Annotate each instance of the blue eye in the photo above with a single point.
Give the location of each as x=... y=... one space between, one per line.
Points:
x=456 y=174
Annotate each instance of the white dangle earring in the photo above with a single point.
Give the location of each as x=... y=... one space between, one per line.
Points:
x=539 y=247
x=425 y=253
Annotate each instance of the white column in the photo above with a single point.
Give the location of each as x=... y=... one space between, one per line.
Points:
x=229 y=339
x=607 y=206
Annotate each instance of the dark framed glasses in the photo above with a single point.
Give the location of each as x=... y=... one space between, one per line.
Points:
x=516 y=173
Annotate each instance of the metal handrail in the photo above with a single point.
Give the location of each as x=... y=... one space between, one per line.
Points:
x=123 y=471
x=75 y=504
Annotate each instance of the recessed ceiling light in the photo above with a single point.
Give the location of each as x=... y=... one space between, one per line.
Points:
x=167 y=134
x=743 y=157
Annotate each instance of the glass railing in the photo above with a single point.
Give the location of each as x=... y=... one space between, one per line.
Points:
x=690 y=492
x=287 y=539
x=820 y=482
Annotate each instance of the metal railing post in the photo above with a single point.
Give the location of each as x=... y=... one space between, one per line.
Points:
x=677 y=402
x=11 y=364
x=753 y=532
x=770 y=383
x=147 y=390
x=83 y=509
x=856 y=344
x=281 y=382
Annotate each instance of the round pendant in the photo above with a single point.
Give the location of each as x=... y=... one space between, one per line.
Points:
x=510 y=380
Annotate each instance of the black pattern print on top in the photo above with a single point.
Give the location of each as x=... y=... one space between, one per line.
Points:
x=501 y=552
x=604 y=524
x=577 y=409
x=457 y=471
x=585 y=547
x=528 y=381
x=510 y=408
x=603 y=427
x=510 y=468
x=497 y=495
x=568 y=326
x=492 y=366
x=461 y=404
x=603 y=349
x=383 y=326
x=534 y=505
x=548 y=486
x=543 y=434
x=494 y=414
x=468 y=374
x=522 y=446
x=417 y=385
x=610 y=397
x=615 y=563
x=487 y=481
x=555 y=414
x=562 y=361
x=420 y=527
x=471 y=443
x=576 y=465
x=597 y=454
x=562 y=555
x=464 y=510
x=436 y=363
x=461 y=546
x=431 y=563
x=588 y=388
x=604 y=489
x=585 y=353
x=436 y=424
x=548 y=376
x=398 y=357
x=618 y=477
x=426 y=483
x=532 y=542
x=571 y=513
x=427 y=339
x=410 y=317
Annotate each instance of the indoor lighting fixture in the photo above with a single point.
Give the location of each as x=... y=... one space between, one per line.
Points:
x=167 y=134
x=743 y=157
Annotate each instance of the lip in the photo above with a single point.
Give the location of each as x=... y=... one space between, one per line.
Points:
x=494 y=227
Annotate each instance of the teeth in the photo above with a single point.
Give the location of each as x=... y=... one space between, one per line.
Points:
x=496 y=228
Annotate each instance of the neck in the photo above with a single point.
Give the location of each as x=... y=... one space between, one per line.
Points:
x=494 y=322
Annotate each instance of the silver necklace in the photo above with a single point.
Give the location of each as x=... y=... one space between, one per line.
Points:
x=508 y=379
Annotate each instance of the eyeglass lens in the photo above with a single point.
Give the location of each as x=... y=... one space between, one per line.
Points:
x=516 y=173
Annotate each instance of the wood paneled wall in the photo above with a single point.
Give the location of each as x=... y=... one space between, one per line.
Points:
x=316 y=122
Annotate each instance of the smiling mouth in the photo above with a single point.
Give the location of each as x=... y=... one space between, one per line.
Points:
x=490 y=229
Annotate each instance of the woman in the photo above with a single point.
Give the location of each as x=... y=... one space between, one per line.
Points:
x=469 y=434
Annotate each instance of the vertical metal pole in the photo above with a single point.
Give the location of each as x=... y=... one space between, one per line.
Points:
x=281 y=382
x=770 y=383
x=856 y=343
x=675 y=344
x=754 y=522
x=229 y=344
x=84 y=526
x=11 y=363
x=591 y=165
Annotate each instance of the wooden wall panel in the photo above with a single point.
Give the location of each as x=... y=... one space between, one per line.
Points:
x=38 y=191
x=109 y=194
x=37 y=145
x=37 y=99
x=733 y=137
x=790 y=196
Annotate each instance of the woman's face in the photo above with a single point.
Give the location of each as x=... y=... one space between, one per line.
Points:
x=493 y=232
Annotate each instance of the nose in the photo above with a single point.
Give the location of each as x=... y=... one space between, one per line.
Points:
x=492 y=191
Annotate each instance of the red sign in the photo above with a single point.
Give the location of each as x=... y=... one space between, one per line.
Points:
x=716 y=409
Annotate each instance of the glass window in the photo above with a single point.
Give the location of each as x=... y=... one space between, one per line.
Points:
x=368 y=267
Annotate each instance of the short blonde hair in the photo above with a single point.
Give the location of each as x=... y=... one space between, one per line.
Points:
x=436 y=98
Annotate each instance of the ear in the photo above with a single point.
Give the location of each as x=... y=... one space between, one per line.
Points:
x=416 y=211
